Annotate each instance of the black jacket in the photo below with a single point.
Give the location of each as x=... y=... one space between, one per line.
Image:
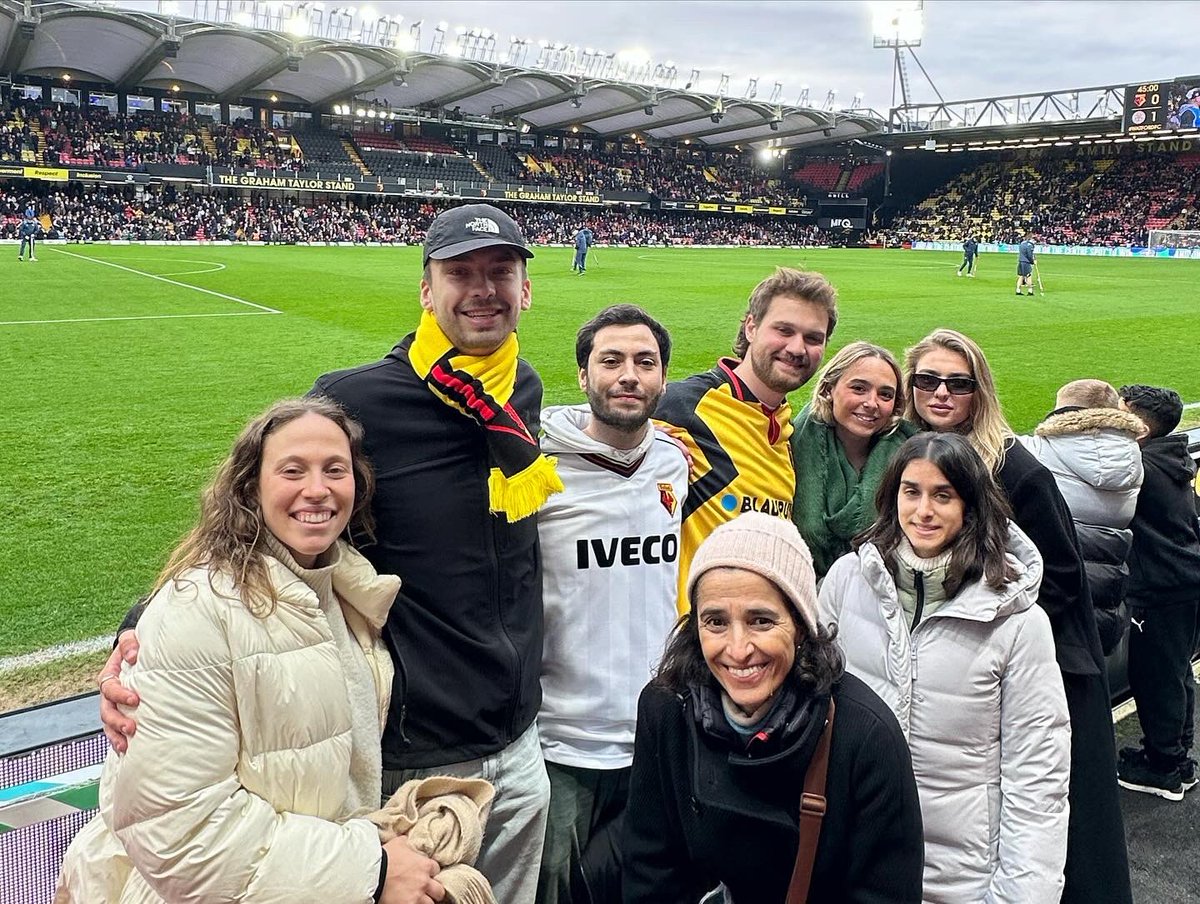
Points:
x=1104 y=551
x=466 y=628
x=1164 y=565
x=700 y=813
x=1041 y=512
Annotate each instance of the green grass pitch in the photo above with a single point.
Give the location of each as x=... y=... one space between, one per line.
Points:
x=122 y=391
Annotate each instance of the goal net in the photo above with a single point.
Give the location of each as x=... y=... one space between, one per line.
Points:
x=1173 y=238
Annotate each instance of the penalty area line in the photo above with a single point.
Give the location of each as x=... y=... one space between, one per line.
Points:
x=142 y=317
x=234 y=298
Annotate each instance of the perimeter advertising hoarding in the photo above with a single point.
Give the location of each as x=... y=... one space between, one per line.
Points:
x=61 y=174
x=714 y=207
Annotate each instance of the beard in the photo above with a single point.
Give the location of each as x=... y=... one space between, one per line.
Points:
x=763 y=365
x=626 y=421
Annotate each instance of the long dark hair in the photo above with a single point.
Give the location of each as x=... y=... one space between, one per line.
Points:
x=979 y=549
x=818 y=664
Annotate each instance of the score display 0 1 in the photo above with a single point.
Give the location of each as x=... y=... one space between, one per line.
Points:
x=1155 y=106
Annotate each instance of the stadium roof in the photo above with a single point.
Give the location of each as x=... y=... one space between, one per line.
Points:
x=231 y=62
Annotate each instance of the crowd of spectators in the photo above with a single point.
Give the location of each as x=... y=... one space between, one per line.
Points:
x=660 y=172
x=65 y=135
x=1064 y=200
x=104 y=213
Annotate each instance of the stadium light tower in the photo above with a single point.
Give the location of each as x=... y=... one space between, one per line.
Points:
x=898 y=26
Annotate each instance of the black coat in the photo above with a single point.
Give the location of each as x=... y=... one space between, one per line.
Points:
x=1097 y=868
x=1105 y=550
x=1164 y=566
x=700 y=813
x=466 y=628
x=1041 y=512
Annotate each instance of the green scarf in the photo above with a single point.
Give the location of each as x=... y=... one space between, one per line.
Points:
x=834 y=502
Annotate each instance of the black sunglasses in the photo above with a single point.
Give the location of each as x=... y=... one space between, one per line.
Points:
x=957 y=385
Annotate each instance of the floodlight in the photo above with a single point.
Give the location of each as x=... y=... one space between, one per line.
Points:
x=899 y=23
x=371 y=114
x=360 y=112
x=296 y=26
x=368 y=14
x=765 y=155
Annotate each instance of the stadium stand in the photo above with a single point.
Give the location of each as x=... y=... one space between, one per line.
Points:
x=329 y=153
x=105 y=213
x=1066 y=200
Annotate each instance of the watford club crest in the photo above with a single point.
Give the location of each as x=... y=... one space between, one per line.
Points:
x=666 y=495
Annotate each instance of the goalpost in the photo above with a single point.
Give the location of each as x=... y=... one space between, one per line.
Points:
x=1173 y=238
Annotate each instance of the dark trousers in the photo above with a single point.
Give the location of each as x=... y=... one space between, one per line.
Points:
x=968 y=264
x=1162 y=640
x=580 y=260
x=26 y=240
x=579 y=858
x=1097 y=870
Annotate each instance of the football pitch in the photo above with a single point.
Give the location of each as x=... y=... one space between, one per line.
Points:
x=127 y=370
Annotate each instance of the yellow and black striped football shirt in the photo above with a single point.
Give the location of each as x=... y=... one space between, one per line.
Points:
x=742 y=460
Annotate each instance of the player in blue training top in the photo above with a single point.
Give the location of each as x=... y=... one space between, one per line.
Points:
x=1025 y=261
x=28 y=231
x=970 y=249
x=583 y=241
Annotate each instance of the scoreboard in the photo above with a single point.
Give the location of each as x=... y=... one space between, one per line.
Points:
x=1170 y=105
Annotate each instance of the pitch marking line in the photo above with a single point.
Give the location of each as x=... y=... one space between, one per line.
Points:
x=141 y=317
x=212 y=266
x=95 y=260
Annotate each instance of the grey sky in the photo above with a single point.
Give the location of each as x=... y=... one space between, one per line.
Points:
x=971 y=49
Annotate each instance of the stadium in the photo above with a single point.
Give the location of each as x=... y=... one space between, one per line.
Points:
x=207 y=185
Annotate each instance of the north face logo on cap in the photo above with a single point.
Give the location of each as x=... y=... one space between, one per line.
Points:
x=483 y=224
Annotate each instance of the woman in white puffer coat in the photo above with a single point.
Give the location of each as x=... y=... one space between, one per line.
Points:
x=936 y=611
x=264 y=685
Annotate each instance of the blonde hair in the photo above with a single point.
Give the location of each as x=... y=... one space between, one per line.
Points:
x=230 y=537
x=836 y=368
x=985 y=428
x=1087 y=394
x=789 y=283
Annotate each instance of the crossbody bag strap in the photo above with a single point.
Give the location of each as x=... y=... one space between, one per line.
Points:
x=812 y=810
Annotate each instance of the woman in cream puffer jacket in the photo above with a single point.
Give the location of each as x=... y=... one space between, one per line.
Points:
x=260 y=715
x=968 y=668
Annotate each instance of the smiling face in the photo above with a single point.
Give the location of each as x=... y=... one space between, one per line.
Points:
x=624 y=377
x=941 y=409
x=785 y=348
x=747 y=635
x=863 y=400
x=929 y=508
x=306 y=485
x=477 y=298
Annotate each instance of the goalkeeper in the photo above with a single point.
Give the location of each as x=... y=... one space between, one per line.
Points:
x=28 y=231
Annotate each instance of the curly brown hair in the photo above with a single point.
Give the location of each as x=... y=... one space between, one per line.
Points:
x=229 y=538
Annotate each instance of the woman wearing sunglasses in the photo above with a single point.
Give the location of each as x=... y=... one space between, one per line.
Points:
x=936 y=611
x=951 y=390
x=841 y=444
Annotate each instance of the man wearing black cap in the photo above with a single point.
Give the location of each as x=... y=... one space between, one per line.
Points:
x=451 y=420
x=451 y=417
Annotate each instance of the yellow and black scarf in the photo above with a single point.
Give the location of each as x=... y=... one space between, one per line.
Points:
x=480 y=388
